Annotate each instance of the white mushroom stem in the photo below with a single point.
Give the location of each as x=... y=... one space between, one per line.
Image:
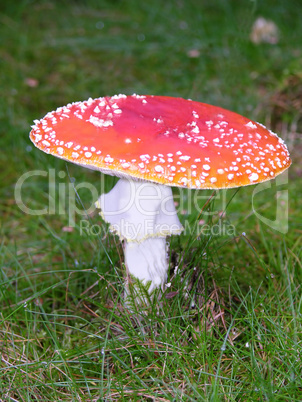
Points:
x=142 y=214
x=147 y=261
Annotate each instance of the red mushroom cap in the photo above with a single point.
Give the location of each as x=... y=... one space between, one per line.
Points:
x=166 y=140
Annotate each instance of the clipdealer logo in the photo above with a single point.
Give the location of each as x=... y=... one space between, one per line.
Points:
x=62 y=197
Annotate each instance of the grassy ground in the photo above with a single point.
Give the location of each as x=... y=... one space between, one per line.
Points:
x=229 y=327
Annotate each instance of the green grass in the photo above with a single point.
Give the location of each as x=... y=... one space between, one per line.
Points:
x=229 y=328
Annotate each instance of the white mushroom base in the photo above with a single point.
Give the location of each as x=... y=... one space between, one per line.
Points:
x=142 y=214
x=147 y=261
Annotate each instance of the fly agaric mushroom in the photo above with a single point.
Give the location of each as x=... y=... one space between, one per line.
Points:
x=153 y=143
